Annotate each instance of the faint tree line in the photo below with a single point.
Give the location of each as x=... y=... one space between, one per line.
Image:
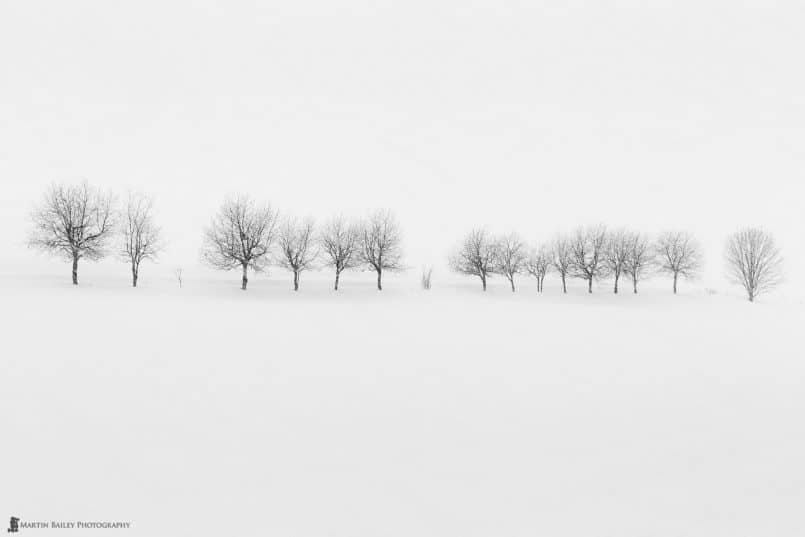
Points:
x=595 y=253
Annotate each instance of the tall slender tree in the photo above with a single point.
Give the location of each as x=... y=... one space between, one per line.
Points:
x=139 y=233
x=381 y=247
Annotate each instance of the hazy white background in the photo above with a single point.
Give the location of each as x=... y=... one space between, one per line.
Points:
x=528 y=116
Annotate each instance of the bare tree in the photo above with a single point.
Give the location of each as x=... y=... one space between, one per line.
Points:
x=679 y=254
x=587 y=249
x=511 y=257
x=240 y=235
x=340 y=241
x=562 y=259
x=381 y=245
x=73 y=221
x=476 y=256
x=140 y=235
x=297 y=248
x=754 y=261
x=427 y=272
x=640 y=258
x=537 y=264
x=178 y=271
x=616 y=253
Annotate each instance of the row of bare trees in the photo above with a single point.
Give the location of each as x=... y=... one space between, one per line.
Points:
x=594 y=253
x=81 y=222
x=250 y=235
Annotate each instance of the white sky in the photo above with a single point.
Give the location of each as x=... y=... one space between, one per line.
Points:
x=530 y=116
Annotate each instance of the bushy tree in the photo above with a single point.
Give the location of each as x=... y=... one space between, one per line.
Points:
x=74 y=222
x=240 y=236
x=476 y=255
x=754 y=261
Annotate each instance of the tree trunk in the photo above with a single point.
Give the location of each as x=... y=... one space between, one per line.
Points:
x=337 y=276
x=617 y=277
x=134 y=274
x=245 y=279
x=296 y=281
x=483 y=281
x=379 y=280
x=511 y=281
x=590 y=285
x=676 y=277
x=75 y=269
x=564 y=284
x=634 y=284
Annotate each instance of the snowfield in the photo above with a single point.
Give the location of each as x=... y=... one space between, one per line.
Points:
x=212 y=411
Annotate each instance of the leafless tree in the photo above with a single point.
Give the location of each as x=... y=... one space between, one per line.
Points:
x=587 y=249
x=476 y=256
x=616 y=254
x=678 y=254
x=381 y=245
x=178 y=272
x=73 y=221
x=297 y=247
x=240 y=235
x=562 y=259
x=511 y=257
x=340 y=241
x=140 y=235
x=754 y=261
x=537 y=264
x=427 y=272
x=640 y=258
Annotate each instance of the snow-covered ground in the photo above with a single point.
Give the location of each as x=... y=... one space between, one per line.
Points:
x=210 y=411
